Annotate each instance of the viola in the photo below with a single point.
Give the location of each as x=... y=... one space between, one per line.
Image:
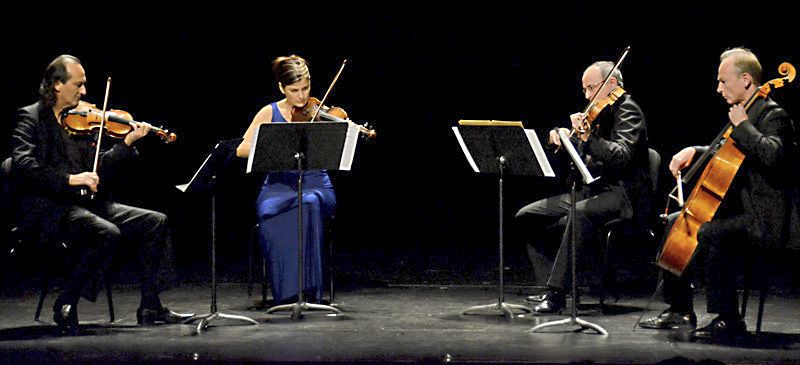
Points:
x=597 y=106
x=314 y=109
x=118 y=123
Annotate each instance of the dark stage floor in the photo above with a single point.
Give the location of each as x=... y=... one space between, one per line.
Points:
x=394 y=324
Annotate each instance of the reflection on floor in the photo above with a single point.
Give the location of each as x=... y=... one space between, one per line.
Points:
x=393 y=324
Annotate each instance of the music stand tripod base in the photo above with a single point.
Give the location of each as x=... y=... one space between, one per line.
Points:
x=297 y=309
x=206 y=319
x=572 y=322
x=504 y=308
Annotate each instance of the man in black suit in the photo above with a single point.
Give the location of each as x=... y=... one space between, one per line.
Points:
x=614 y=148
x=52 y=167
x=755 y=211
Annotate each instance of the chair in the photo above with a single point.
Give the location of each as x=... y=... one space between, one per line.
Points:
x=329 y=240
x=628 y=229
x=20 y=241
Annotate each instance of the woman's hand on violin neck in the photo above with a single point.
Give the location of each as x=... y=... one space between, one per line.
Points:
x=88 y=179
x=139 y=130
x=681 y=160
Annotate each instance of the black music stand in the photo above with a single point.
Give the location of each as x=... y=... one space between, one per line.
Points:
x=501 y=148
x=586 y=178
x=299 y=147
x=205 y=181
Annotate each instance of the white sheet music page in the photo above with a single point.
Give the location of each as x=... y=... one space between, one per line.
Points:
x=252 y=150
x=465 y=150
x=350 y=142
x=538 y=151
x=565 y=142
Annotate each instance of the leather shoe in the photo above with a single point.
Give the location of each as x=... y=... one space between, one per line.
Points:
x=552 y=302
x=535 y=298
x=722 y=328
x=670 y=320
x=145 y=316
x=66 y=318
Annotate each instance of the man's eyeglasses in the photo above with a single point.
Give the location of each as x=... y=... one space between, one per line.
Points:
x=591 y=87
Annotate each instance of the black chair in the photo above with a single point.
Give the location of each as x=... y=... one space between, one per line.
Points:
x=629 y=230
x=329 y=239
x=50 y=253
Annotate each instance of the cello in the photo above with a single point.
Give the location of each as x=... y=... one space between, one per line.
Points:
x=680 y=246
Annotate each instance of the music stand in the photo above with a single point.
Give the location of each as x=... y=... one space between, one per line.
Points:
x=501 y=148
x=587 y=178
x=298 y=147
x=204 y=180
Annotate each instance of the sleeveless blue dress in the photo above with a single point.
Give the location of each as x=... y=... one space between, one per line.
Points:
x=277 y=212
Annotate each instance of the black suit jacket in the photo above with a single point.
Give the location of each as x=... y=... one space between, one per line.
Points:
x=617 y=151
x=42 y=163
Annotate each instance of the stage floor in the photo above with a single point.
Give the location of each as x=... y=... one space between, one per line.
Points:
x=394 y=324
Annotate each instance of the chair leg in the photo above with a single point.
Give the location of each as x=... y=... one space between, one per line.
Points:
x=761 y=299
x=331 y=270
x=606 y=270
x=250 y=257
x=110 y=300
x=264 y=280
x=45 y=289
x=748 y=270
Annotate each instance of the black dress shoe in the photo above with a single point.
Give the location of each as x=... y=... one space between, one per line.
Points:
x=535 y=298
x=722 y=328
x=552 y=302
x=66 y=318
x=670 y=320
x=145 y=316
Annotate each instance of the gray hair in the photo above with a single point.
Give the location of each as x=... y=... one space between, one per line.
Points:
x=605 y=68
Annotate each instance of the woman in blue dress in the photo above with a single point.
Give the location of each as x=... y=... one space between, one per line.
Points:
x=277 y=203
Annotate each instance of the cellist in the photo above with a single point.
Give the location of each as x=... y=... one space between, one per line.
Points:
x=753 y=213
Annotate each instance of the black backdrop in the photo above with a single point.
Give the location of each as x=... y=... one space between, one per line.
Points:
x=411 y=197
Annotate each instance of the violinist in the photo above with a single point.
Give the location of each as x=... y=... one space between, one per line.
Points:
x=51 y=167
x=754 y=213
x=277 y=203
x=614 y=147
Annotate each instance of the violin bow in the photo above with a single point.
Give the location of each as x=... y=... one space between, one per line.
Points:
x=102 y=127
x=322 y=102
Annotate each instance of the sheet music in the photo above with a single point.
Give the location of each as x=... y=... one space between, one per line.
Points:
x=252 y=150
x=465 y=150
x=350 y=142
x=544 y=164
x=183 y=187
x=565 y=142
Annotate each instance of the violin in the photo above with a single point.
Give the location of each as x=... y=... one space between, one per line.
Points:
x=118 y=123
x=312 y=110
